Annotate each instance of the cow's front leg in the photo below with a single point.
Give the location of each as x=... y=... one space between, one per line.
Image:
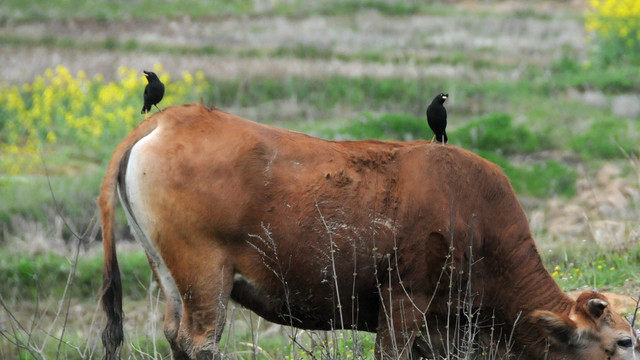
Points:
x=400 y=320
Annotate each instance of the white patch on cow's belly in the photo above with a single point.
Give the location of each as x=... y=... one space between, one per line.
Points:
x=141 y=220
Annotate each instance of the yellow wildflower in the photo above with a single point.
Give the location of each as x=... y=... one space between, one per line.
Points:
x=51 y=137
x=157 y=68
x=186 y=76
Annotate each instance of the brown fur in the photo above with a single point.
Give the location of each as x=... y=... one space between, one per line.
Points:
x=320 y=234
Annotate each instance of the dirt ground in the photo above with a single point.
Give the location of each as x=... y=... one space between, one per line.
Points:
x=500 y=37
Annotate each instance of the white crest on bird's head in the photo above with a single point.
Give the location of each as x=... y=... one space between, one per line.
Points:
x=150 y=75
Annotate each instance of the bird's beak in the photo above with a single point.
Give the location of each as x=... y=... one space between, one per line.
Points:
x=145 y=73
x=445 y=96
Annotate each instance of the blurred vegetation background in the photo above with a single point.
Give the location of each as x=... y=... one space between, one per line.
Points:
x=548 y=90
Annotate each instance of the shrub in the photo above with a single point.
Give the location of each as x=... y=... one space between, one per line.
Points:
x=609 y=80
x=608 y=139
x=497 y=133
x=616 y=26
x=81 y=115
x=541 y=179
x=386 y=126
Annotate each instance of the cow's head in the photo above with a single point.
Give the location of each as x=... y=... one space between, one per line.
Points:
x=592 y=331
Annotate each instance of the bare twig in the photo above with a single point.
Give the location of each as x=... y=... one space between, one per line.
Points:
x=332 y=250
x=69 y=286
x=635 y=312
x=14 y=340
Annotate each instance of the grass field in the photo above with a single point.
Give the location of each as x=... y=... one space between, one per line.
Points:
x=529 y=91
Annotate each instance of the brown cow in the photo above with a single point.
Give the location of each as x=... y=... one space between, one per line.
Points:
x=397 y=238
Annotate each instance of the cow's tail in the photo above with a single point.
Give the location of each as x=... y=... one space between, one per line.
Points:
x=111 y=293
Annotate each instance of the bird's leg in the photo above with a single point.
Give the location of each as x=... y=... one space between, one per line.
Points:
x=433 y=137
x=157 y=108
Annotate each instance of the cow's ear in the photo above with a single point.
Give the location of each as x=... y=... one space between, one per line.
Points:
x=596 y=307
x=560 y=330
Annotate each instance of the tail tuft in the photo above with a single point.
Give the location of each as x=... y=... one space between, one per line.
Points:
x=112 y=335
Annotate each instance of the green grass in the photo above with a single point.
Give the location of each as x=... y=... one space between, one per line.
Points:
x=497 y=133
x=145 y=9
x=573 y=268
x=299 y=51
x=542 y=179
x=28 y=278
x=383 y=127
x=108 y=44
x=327 y=93
x=568 y=73
x=113 y=10
x=609 y=138
x=30 y=196
x=38 y=10
x=352 y=7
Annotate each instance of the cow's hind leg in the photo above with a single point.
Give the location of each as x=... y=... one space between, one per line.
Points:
x=204 y=279
x=173 y=300
x=172 y=319
x=173 y=312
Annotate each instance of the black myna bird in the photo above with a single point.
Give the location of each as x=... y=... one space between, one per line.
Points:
x=437 y=117
x=153 y=92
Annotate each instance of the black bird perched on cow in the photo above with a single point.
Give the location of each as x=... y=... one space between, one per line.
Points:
x=153 y=92
x=437 y=117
